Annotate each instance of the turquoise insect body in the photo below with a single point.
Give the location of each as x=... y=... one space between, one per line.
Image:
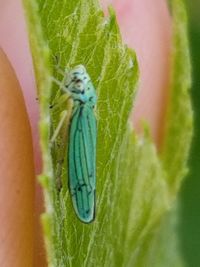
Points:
x=82 y=143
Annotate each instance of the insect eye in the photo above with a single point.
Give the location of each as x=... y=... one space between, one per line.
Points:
x=78 y=81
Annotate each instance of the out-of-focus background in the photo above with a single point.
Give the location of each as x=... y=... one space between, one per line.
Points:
x=190 y=195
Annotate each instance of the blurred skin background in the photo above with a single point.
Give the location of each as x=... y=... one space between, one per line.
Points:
x=145 y=26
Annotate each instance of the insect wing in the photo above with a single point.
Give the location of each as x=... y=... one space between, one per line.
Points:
x=82 y=162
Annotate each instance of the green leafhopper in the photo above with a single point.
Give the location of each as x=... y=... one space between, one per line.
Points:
x=82 y=143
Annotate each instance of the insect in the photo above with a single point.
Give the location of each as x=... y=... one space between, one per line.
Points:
x=82 y=143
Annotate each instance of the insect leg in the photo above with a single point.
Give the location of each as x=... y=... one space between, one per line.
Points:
x=63 y=117
x=57 y=66
x=58 y=140
x=61 y=85
x=58 y=101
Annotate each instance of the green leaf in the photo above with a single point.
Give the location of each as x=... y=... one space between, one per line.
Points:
x=135 y=186
x=164 y=242
x=179 y=125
